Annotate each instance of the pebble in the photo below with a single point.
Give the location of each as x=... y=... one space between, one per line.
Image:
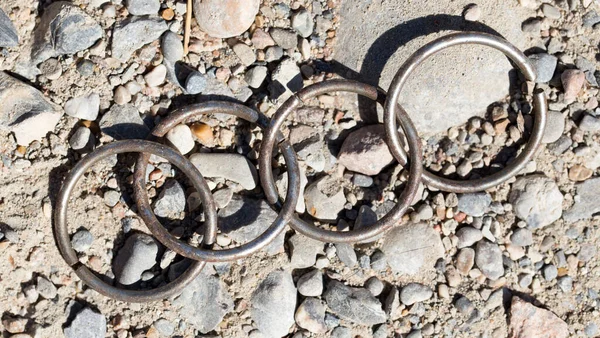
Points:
x=285 y=79
x=363 y=181
x=171 y=47
x=87 y=323
x=156 y=76
x=8 y=34
x=365 y=151
x=544 y=65
x=572 y=81
x=586 y=252
x=304 y=251
x=262 y=39
x=181 y=138
x=324 y=199
x=565 y=283
x=555 y=126
x=123 y=122
x=286 y=39
x=164 y=327
x=46 y=288
x=311 y=284
x=474 y=204
x=488 y=258
x=589 y=123
x=51 y=69
x=532 y=25
x=84 y=107
x=374 y=285
x=232 y=167
x=586 y=203
x=537 y=200
x=142 y=7
x=122 y=95
x=472 y=13
x=404 y=251
x=414 y=293
x=111 y=198
x=591 y=330
x=134 y=32
x=341 y=332
x=274 y=304
x=245 y=53
x=468 y=236
x=82 y=240
x=171 y=200
x=222 y=197
x=256 y=76
x=195 y=83
x=346 y=254
x=527 y=320
x=550 y=11
x=464 y=305
x=311 y=315
x=521 y=237
x=225 y=19
x=273 y=53
x=302 y=22
x=378 y=261
x=465 y=260
x=82 y=139
x=138 y=254
x=204 y=303
x=357 y=305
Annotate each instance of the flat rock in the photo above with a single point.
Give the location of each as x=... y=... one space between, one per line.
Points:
x=586 y=201
x=325 y=199
x=357 y=305
x=85 y=107
x=365 y=151
x=474 y=204
x=244 y=219
x=555 y=126
x=8 y=34
x=181 y=138
x=544 y=65
x=137 y=255
x=311 y=284
x=123 y=122
x=414 y=293
x=412 y=248
x=204 y=302
x=285 y=80
x=528 y=321
x=25 y=111
x=311 y=315
x=142 y=7
x=233 y=167
x=225 y=18
x=64 y=28
x=134 y=32
x=537 y=200
x=87 y=323
x=304 y=251
x=171 y=200
x=468 y=236
x=488 y=258
x=346 y=254
x=171 y=46
x=274 y=304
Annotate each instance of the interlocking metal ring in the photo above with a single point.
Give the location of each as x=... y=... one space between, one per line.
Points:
x=62 y=233
x=189 y=114
x=404 y=200
x=392 y=111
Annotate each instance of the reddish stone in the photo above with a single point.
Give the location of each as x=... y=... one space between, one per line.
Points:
x=528 y=321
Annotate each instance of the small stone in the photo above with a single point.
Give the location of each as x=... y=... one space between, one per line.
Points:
x=341 y=332
x=374 y=285
x=550 y=11
x=302 y=22
x=589 y=123
x=468 y=236
x=464 y=306
x=8 y=34
x=171 y=201
x=304 y=251
x=555 y=126
x=522 y=237
x=537 y=200
x=354 y=304
x=572 y=81
x=123 y=122
x=311 y=315
x=231 y=167
x=122 y=95
x=414 y=293
x=586 y=253
x=274 y=304
x=256 y=76
x=181 y=138
x=525 y=280
x=284 y=38
x=134 y=32
x=51 y=69
x=527 y=321
x=137 y=255
x=223 y=197
x=591 y=330
x=465 y=260
x=111 y=198
x=378 y=261
x=164 y=327
x=84 y=107
x=579 y=173
x=156 y=76
x=285 y=80
x=474 y=204
x=488 y=258
x=195 y=83
x=82 y=139
x=45 y=288
x=82 y=240
x=472 y=13
x=171 y=47
x=324 y=199
x=586 y=203
x=363 y=181
x=245 y=53
x=565 y=283
x=273 y=53
x=87 y=323
x=262 y=39
x=365 y=151
x=311 y=284
x=225 y=18
x=532 y=25
x=346 y=254
x=142 y=7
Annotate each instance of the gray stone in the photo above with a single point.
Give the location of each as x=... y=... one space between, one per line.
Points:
x=488 y=258
x=164 y=327
x=204 y=302
x=555 y=126
x=565 y=283
x=561 y=145
x=285 y=80
x=378 y=261
x=374 y=285
x=171 y=46
x=196 y=83
x=64 y=28
x=384 y=44
x=414 y=293
x=244 y=219
x=414 y=334
x=282 y=185
x=354 y=304
x=256 y=76
x=142 y=7
x=82 y=139
x=550 y=272
x=137 y=255
x=25 y=111
x=586 y=252
x=550 y=11
x=225 y=19
x=8 y=34
x=123 y=122
x=134 y=32
x=346 y=254
x=589 y=123
x=245 y=53
x=412 y=248
x=591 y=330
x=273 y=53
x=46 y=288
x=465 y=260
x=273 y=304
x=363 y=181
x=586 y=203
x=84 y=107
x=88 y=324
x=82 y=240
x=590 y=19
x=311 y=284
x=223 y=197
x=464 y=305
x=365 y=151
x=311 y=315
x=537 y=200
x=231 y=167
x=468 y=236
x=521 y=237
x=284 y=38
x=474 y=204
x=341 y=332
x=111 y=198
x=302 y=22
x=86 y=67
x=304 y=251
x=171 y=200
x=325 y=199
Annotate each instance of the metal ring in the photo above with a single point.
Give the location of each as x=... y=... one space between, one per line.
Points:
x=392 y=108
x=62 y=233
x=394 y=217
x=186 y=115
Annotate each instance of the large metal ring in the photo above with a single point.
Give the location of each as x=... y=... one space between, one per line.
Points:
x=394 y=217
x=393 y=110
x=189 y=114
x=62 y=233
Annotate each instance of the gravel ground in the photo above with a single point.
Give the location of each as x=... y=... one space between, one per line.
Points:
x=519 y=260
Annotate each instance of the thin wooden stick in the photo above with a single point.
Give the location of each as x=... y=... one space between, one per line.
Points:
x=188 y=27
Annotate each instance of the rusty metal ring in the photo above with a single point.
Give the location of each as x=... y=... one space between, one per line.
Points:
x=390 y=220
x=187 y=115
x=392 y=111
x=61 y=231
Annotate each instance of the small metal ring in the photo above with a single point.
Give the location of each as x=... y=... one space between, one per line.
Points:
x=392 y=108
x=189 y=114
x=61 y=231
x=390 y=220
